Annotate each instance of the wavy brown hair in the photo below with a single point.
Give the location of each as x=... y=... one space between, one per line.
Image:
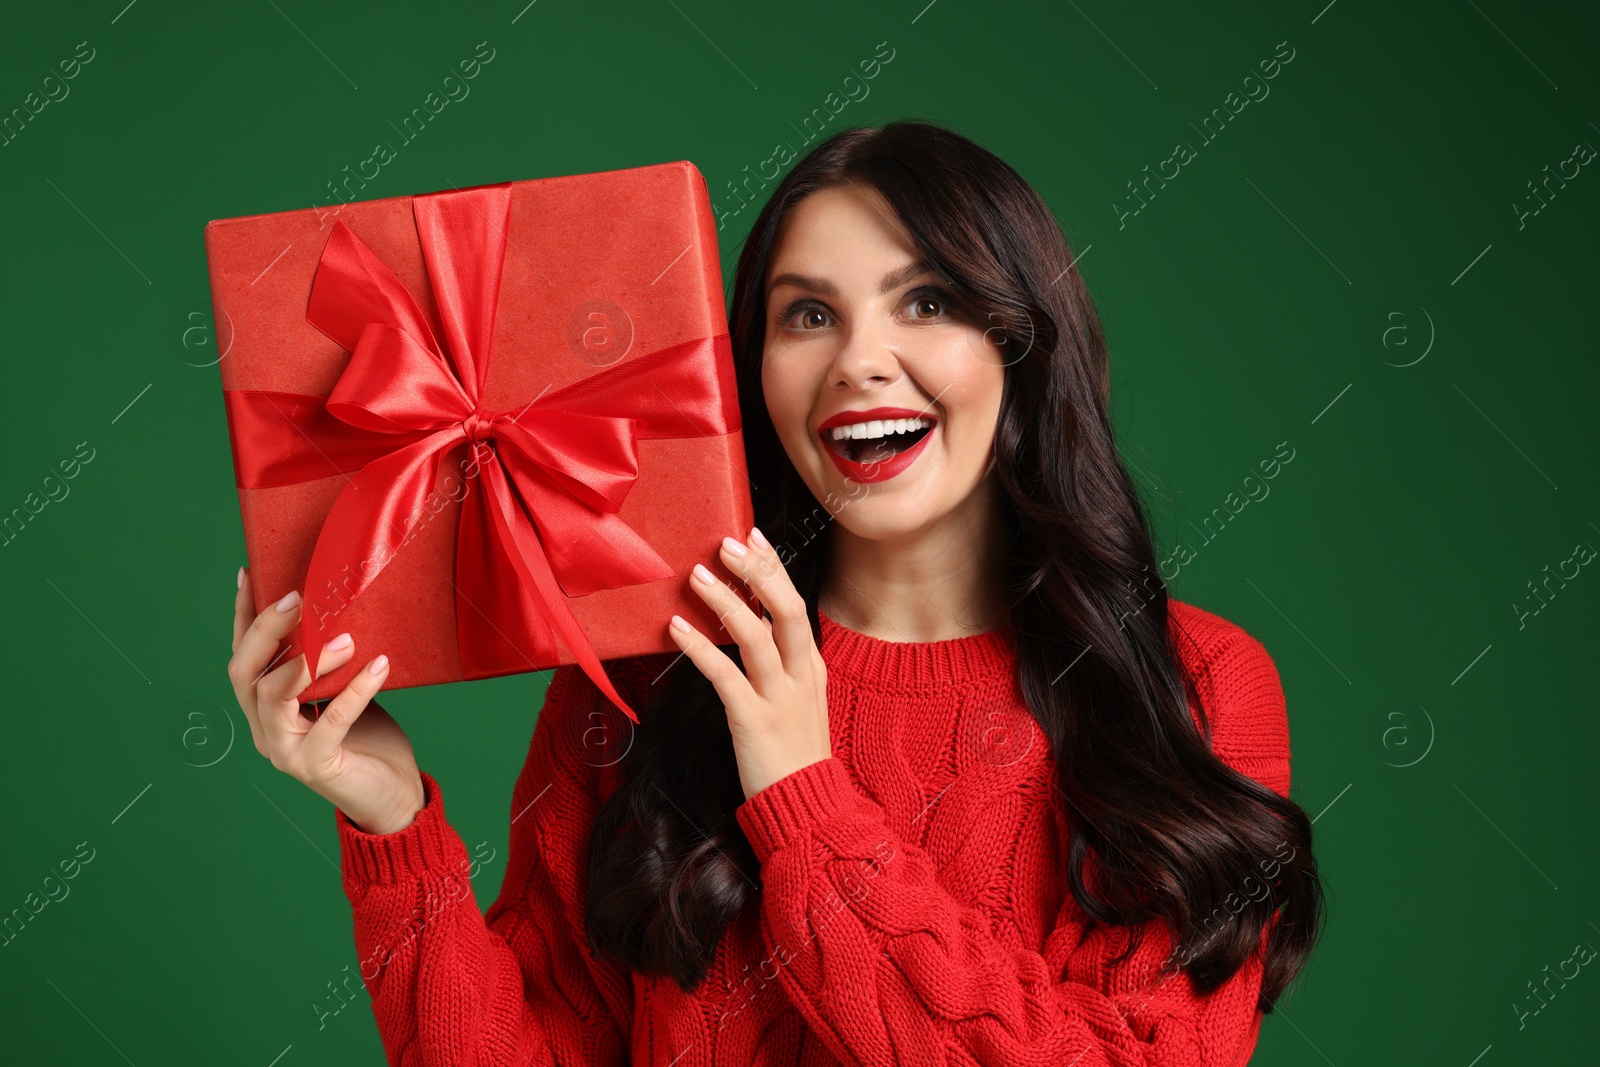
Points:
x=1163 y=828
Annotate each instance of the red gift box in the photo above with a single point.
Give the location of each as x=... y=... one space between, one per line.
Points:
x=487 y=430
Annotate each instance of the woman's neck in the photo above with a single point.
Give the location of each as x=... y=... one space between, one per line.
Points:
x=931 y=585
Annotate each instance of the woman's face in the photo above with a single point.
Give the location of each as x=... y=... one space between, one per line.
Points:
x=862 y=340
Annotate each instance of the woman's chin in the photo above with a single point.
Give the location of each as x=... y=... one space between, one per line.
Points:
x=882 y=510
x=884 y=526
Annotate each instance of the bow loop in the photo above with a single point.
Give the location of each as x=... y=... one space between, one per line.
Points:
x=393 y=383
x=594 y=457
x=353 y=287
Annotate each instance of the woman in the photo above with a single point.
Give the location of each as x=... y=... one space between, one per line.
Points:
x=978 y=791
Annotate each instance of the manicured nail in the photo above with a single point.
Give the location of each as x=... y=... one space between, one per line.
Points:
x=679 y=625
x=735 y=547
x=240 y=583
x=379 y=665
x=702 y=575
x=289 y=601
x=756 y=538
x=338 y=643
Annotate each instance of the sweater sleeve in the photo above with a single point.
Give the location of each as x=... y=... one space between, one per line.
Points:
x=889 y=968
x=451 y=985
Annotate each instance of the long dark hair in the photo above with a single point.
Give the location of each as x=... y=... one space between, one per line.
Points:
x=1161 y=827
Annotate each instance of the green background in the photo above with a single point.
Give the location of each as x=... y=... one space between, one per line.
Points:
x=1283 y=288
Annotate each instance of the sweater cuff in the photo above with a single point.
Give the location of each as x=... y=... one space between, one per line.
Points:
x=428 y=845
x=795 y=804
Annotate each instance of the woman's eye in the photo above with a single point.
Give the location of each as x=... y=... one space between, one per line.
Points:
x=806 y=317
x=926 y=307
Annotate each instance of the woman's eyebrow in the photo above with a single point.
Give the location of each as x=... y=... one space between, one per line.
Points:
x=894 y=279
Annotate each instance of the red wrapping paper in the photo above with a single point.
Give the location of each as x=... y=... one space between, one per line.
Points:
x=516 y=405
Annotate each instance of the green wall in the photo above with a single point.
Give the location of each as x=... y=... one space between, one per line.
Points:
x=1343 y=273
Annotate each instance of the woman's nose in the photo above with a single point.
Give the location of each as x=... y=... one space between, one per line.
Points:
x=866 y=357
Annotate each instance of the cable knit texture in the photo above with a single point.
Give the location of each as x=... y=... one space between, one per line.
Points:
x=913 y=906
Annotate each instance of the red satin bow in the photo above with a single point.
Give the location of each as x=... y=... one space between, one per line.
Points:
x=544 y=525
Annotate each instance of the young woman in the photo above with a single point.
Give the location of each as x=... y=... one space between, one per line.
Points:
x=977 y=791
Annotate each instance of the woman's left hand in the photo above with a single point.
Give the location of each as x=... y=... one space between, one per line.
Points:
x=778 y=715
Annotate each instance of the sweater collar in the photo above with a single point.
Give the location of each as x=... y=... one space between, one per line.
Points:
x=883 y=664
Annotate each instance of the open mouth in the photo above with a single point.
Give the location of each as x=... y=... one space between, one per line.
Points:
x=887 y=441
x=877 y=444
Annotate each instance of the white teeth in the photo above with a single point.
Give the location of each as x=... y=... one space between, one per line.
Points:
x=877 y=428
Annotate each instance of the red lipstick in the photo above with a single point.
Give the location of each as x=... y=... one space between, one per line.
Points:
x=878 y=470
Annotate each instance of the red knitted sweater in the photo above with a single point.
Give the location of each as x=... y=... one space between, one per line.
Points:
x=913 y=908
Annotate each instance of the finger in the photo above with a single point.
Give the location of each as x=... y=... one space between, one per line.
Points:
x=255 y=651
x=756 y=649
x=278 y=694
x=243 y=607
x=320 y=748
x=766 y=574
x=723 y=674
x=258 y=649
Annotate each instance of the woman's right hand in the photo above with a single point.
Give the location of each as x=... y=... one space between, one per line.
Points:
x=353 y=755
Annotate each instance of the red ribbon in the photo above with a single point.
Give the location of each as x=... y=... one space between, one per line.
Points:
x=544 y=525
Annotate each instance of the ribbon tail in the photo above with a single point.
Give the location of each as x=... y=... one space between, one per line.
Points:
x=520 y=546
x=499 y=624
x=370 y=521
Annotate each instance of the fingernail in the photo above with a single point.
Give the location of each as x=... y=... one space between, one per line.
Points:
x=289 y=601
x=735 y=547
x=338 y=643
x=379 y=665
x=679 y=625
x=756 y=538
x=702 y=575
x=240 y=583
